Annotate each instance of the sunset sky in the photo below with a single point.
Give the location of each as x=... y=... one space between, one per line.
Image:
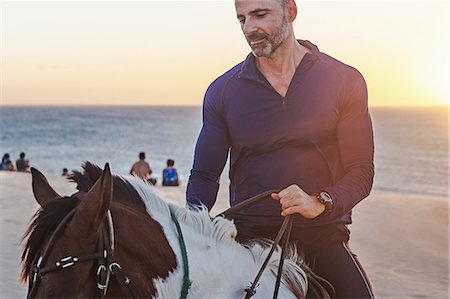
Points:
x=167 y=52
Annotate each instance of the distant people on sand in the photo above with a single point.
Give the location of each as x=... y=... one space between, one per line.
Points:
x=7 y=165
x=65 y=172
x=142 y=169
x=22 y=164
x=170 y=174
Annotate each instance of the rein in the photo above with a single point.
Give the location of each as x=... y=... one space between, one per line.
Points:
x=283 y=236
x=186 y=281
x=247 y=203
x=105 y=268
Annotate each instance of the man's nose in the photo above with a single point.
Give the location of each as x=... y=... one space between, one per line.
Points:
x=249 y=27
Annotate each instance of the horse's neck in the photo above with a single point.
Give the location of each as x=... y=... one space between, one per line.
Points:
x=220 y=269
x=218 y=266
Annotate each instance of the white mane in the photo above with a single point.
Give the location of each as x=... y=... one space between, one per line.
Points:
x=218 y=228
x=216 y=231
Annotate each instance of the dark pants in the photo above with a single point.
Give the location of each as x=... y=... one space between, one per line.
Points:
x=325 y=249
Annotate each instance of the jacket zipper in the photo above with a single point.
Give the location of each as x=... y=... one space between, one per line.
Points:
x=283 y=103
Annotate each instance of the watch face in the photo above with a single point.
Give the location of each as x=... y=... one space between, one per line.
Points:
x=326 y=200
x=325 y=196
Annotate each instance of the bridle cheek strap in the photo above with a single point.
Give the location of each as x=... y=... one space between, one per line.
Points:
x=36 y=272
x=106 y=267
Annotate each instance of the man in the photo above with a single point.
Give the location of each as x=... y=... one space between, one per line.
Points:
x=294 y=119
x=142 y=169
x=22 y=164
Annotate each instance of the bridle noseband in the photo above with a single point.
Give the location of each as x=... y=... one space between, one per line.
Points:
x=105 y=265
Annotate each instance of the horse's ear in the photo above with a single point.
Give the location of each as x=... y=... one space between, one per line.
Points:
x=92 y=209
x=42 y=190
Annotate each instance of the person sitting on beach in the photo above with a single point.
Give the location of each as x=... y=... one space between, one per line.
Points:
x=65 y=172
x=142 y=169
x=7 y=165
x=170 y=174
x=22 y=164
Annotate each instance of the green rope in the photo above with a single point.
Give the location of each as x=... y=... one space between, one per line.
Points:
x=186 y=281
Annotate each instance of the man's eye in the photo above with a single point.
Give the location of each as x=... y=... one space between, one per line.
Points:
x=260 y=15
x=241 y=21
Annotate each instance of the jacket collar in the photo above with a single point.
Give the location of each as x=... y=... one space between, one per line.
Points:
x=250 y=71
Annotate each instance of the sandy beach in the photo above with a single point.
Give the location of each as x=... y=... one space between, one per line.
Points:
x=402 y=240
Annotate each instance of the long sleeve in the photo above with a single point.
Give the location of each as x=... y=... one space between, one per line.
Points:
x=356 y=148
x=211 y=152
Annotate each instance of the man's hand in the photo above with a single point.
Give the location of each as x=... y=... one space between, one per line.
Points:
x=294 y=200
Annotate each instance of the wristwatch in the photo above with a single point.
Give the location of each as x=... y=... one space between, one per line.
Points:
x=325 y=199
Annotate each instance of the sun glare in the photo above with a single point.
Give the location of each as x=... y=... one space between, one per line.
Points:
x=434 y=78
x=436 y=84
x=401 y=47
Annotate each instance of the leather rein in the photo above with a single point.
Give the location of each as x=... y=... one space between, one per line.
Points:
x=106 y=266
x=282 y=236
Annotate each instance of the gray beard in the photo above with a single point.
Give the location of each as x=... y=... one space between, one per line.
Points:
x=273 y=42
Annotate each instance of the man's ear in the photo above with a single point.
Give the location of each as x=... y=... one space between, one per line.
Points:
x=291 y=7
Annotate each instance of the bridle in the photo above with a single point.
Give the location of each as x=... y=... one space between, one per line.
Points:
x=106 y=266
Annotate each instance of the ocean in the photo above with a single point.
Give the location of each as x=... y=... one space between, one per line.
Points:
x=411 y=144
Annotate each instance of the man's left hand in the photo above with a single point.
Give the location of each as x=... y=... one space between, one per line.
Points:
x=294 y=200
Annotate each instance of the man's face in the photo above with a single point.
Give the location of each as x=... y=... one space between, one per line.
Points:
x=264 y=24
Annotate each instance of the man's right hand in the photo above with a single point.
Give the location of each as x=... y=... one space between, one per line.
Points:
x=294 y=200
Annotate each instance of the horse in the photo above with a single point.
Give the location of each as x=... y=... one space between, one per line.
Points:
x=116 y=238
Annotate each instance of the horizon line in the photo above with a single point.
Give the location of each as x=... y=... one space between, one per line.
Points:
x=187 y=106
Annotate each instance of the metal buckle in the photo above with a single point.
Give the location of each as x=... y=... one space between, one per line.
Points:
x=66 y=261
x=114 y=264
x=102 y=285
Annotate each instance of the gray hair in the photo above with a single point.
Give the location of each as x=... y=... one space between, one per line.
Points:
x=283 y=3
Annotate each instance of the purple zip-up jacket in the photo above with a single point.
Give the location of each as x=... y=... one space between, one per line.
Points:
x=319 y=136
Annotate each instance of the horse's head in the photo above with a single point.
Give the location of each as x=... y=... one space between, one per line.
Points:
x=77 y=244
x=64 y=226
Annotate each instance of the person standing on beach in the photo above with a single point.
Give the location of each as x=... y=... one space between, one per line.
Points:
x=295 y=119
x=142 y=169
x=22 y=164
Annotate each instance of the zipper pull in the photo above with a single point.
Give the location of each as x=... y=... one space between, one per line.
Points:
x=283 y=103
